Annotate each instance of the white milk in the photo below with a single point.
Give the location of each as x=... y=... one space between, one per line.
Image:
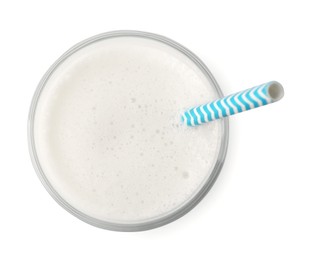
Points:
x=107 y=131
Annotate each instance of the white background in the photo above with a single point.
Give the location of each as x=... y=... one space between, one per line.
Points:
x=259 y=206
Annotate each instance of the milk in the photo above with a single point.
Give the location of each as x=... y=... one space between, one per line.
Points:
x=107 y=130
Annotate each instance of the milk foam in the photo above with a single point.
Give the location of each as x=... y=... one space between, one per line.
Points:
x=107 y=130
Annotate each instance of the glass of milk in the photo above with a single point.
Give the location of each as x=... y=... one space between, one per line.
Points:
x=105 y=136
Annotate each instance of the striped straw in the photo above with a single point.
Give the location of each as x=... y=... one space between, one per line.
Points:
x=258 y=96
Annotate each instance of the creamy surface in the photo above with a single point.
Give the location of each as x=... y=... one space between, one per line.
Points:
x=108 y=135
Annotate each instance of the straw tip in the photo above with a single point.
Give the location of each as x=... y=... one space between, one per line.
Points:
x=275 y=91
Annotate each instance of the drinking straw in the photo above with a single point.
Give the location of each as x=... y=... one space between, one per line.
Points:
x=258 y=96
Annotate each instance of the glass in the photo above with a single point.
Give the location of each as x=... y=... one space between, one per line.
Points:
x=152 y=223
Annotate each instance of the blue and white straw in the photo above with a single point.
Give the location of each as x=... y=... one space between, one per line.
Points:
x=236 y=103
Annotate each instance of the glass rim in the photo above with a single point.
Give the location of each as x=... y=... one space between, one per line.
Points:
x=156 y=222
